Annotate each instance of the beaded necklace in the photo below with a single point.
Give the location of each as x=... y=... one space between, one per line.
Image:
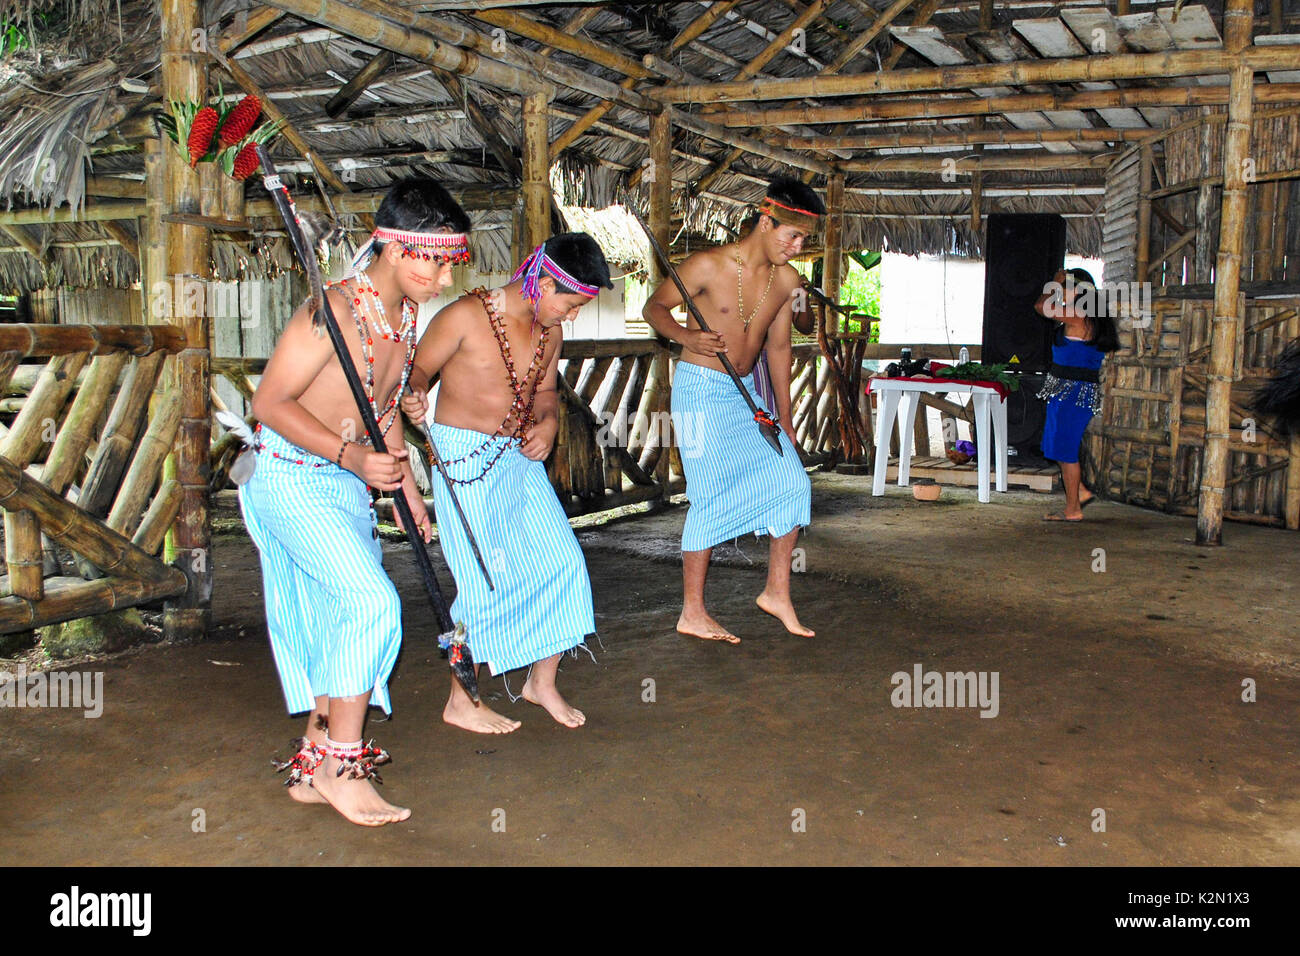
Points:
x=520 y=409
x=374 y=307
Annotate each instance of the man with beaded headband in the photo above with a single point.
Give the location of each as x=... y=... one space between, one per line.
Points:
x=332 y=612
x=736 y=485
x=496 y=355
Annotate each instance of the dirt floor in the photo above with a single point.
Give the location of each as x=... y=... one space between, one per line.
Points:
x=1119 y=690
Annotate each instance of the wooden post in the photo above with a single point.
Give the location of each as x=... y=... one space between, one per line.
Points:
x=833 y=254
x=185 y=77
x=537 y=168
x=1237 y=20
x=1146 y=167
x=661 y=186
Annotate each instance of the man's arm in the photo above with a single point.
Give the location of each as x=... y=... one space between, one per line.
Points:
x=546 y=406
x=778 y=348
x=695 y=274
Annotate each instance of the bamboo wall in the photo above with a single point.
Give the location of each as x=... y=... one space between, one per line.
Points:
x=1148 y=449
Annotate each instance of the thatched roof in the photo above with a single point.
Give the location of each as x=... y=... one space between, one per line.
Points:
x=78 y=112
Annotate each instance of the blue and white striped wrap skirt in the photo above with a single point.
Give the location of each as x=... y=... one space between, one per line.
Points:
x=735 y=482
x=334 y=617
x=542 y=602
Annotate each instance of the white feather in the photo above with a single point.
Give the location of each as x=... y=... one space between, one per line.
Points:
x=233 y=423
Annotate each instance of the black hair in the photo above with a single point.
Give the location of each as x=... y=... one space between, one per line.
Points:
x=420 y=205
x=1105 y=335
x=792 y=192
x=581 y=257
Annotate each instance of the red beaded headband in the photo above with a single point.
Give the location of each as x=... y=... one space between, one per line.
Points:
x=450 y=247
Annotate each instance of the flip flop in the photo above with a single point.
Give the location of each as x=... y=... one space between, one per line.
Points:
x=1084 y=504
x=1060 y=516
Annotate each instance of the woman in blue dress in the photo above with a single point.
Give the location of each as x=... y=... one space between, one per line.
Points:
x=1084 y=334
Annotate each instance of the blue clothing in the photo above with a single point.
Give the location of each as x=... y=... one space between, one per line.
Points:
x=542 y=602
x=1071 y=403
x=334 y=617
x=735 y=482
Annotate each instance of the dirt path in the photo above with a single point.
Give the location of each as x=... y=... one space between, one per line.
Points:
x=1134 y=708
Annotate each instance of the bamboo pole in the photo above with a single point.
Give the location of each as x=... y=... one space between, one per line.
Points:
x=64 y=521
x=833 y=256
x=78 y=429
x=1146 y=157
x=1020 y=160
x=184 y=77
x=142 y=476
x=1238 y=19
x=883 y=19
x=965 y=137
x=933 y=107
x=661 y=196
x=536 y=170
x=1122 y=66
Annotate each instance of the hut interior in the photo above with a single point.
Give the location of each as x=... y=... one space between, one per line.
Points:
x=143 y=292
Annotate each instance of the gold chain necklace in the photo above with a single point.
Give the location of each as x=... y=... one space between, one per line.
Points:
x=740 y=291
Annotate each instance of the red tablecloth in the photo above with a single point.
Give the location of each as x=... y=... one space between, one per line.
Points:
x=1001 y=389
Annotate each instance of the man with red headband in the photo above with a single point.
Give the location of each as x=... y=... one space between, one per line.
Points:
x=735 y=483
x=496 y=355
x=332 y=612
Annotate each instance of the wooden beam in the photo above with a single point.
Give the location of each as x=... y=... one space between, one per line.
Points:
x=986 y=15
x=30 y=245
x=971 y=137
x=1123 y=66
x=1238 y=19
x=782 y=40
x=929 y=107
x=536 y=168
x=255 y=23
x=866 y=36
x=964 y=165
x=399 y=36
x=661 y=187
x=354 y=87
x=1143 y=253
x=833 y=256
x=584 y=47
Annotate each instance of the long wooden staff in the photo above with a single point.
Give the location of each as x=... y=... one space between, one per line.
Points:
x=451 y=635
x=766 y=423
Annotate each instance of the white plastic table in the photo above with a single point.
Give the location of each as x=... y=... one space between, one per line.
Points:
x=898 y=400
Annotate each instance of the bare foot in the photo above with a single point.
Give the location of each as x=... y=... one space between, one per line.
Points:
x=703 y=626
x=480 y=718
x=555 y=705
x=783 y=611
x=357 y=800
x=304 y=792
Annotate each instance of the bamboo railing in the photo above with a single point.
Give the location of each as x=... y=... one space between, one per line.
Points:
x=73 y=472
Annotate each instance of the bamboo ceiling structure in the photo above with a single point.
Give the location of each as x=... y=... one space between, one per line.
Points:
x=936 y=113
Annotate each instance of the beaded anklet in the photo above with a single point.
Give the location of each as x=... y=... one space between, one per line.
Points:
x=357 y=762
x=302 y=765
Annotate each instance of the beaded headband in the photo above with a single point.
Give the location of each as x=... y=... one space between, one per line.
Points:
x=450 y=247
x=539 y=262
x=789 y=215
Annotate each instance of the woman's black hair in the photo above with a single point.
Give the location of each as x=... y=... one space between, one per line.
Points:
x=420 y=205
x=1105 y=334
x=581 y=257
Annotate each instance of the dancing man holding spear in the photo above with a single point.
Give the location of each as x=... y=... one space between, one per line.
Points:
x=746 y=476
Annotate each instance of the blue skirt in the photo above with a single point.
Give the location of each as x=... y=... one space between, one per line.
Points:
x=1066 y=422
x=542 y=602
x=735 y=482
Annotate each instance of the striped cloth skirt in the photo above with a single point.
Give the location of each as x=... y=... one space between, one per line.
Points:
x=542 y=602
x=334 y=617
x=735 y=482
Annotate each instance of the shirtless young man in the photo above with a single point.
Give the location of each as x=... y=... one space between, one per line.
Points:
x=494 y=426
x=332 y=612
x=736 y=484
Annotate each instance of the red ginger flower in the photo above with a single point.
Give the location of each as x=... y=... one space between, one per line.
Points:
x=239 y=121
x=201 y=130
x=246 y=162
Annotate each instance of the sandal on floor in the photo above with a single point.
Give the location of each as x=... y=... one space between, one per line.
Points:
x=1060 y=516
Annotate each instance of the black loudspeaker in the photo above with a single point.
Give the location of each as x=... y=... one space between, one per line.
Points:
x=1022 y=254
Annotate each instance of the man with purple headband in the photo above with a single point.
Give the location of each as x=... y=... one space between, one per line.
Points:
x=497 y=413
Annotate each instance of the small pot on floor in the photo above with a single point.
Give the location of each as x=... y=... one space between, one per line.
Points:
x=926 y=489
